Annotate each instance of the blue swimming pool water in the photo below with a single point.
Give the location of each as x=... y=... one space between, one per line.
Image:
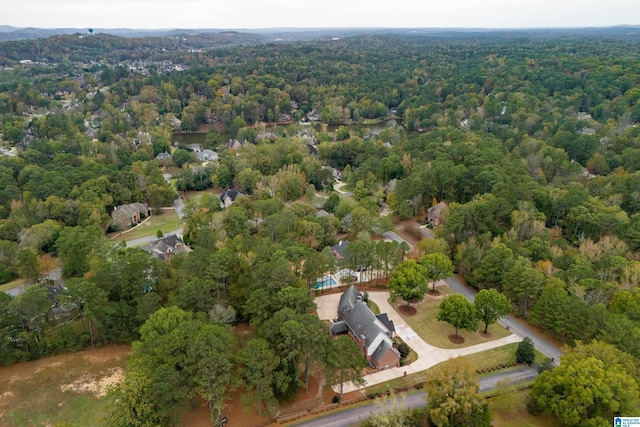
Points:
x=327 y=282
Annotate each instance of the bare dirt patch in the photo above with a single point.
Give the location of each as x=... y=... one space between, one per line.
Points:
x=456 y=339
x=487 y=335
x=434 y=293
x=97 y=386
x=238 y=415
x=408 y=310
x=66 y=387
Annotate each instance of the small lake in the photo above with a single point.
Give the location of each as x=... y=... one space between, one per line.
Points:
x=191 y=138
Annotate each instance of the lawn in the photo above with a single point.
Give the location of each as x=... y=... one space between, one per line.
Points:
x=512 y=412
x=166 y=222
x=12 y=284
x=60 y=390
x=498 y=356
x=436 y=333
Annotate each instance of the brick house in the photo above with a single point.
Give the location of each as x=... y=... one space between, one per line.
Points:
x=373 y=333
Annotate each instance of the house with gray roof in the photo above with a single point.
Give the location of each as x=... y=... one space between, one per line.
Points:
x=339 y=249
x=165 y=247
x=125 y=216
x=228 y=197
x=373 y=333
x=207 y=155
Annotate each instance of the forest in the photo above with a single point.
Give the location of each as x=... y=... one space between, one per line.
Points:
x=531 y=141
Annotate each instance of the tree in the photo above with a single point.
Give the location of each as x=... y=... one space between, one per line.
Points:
x=491 y=305
x=592 y=385
x=259 y=364
x=130 y=403
x=31 y=308
x=438 y=267
x=345 y=363
x=75 y=247
x=160 y=196
x=28 y=264
x=453 y=400
x=409 y=281
x=90 y=300
x=211 y=364
x=458 y=312
x=180 y=157
x=525 y=353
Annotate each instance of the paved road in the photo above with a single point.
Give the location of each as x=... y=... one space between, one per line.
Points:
x=354 y=416
x=541 y=343
x=395 y=236
x=338 y=187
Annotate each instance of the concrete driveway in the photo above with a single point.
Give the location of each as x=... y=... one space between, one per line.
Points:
x=428 y=355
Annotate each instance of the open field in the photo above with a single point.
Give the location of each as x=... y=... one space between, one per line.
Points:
x=436 y=333
x=166 y=222
x=60 y=390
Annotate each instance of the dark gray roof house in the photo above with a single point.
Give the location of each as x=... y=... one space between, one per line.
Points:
x=313 y=150
x=338 y=250
x=228 y=197
x=165 y=247
x=163 y=156
x=373 y=334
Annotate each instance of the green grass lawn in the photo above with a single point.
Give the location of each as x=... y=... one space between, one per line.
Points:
x=60 y=390
x=166 y=222
x=513 y=413
x=498 y=356
x=437 y=333
x=12 y=284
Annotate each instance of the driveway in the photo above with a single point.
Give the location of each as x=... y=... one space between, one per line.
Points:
x=428 y=355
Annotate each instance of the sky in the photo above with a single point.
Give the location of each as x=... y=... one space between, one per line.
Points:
x=247 y=14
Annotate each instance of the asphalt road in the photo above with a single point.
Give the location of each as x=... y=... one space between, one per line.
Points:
x=355 y=416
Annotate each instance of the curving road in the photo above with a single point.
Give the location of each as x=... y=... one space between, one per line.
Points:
x=355 y=416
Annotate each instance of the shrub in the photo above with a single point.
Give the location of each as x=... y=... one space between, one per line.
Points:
x=404 y=350
x=336 y=399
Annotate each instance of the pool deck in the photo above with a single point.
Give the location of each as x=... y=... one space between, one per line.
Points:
x=329 y=278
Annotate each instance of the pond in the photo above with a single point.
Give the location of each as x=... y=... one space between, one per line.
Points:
x=199 y=138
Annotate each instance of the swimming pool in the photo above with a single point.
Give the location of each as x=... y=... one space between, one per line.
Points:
x=327 y=282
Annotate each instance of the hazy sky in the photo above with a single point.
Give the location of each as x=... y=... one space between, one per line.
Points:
x=317 y=13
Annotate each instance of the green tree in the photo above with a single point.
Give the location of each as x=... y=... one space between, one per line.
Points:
x=587 y=389
x=90 y=300
x=458 y=312
x=211 y=364
x=75 y=247
x=28 y=264
x=160 y=196
x=31 y=307
x=259 y=363
x=438 y=267
x=131 y=404
x=525 y=353
x=180 y=157
x=491 y=305
x=409 y=281
x=345 y=363
x=453 y=399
